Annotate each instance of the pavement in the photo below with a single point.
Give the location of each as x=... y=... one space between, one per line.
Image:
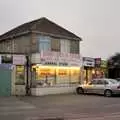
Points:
x=62 y=107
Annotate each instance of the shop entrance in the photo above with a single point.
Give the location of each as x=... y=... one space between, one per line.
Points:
x=20 y=80
x=87 y=74
x=5 y=82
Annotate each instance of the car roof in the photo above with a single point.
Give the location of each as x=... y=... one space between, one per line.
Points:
x=104 y=79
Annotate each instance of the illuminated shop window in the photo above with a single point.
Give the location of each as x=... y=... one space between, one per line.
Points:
x=44 y=76
x=75 y=75
x=62 y=75
x=52 y=75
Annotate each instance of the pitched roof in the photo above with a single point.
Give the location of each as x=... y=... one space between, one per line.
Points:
x=42 y=25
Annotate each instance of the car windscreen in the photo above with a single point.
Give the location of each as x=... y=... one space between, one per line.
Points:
x=118 y=79
x=113 y=81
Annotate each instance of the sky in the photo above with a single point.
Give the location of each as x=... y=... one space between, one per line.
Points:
x=97 y=22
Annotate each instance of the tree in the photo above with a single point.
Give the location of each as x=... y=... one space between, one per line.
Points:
x=114 y=61
x=114 y=66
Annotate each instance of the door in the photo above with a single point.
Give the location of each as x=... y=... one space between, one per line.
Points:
x=5 y=82
x=90 y=88
x=20 y=82
x=100 y=86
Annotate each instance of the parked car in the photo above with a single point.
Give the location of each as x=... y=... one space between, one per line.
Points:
x=104 y=86
x=118 y=79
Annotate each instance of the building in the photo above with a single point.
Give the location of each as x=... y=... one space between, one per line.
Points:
x=53 y=53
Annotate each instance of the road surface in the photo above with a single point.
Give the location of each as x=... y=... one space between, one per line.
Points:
x=68 y=107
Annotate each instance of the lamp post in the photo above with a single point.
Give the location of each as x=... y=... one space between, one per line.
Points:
x=28 y=72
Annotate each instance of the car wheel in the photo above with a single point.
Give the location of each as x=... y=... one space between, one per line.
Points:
x=108 y=93
x=80 y=90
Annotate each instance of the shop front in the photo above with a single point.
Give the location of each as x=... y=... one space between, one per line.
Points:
x=101 y=70
x=19 y=75
x=89 y=69
x=54 y=73
x=12 y=75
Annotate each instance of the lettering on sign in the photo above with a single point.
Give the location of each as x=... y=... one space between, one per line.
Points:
x=60 y=58
x=19 y=59
x=88 y=62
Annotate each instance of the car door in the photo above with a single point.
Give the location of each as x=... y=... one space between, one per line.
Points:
x=91 y=86
x=100 y=86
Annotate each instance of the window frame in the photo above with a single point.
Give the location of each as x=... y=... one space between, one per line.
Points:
x=74 y=47
x=55 y=45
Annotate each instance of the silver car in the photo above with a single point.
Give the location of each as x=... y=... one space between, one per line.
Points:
x=104 y=86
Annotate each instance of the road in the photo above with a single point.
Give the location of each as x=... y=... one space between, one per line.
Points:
x=68 y=107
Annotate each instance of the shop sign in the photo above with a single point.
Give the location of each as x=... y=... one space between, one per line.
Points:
x=48 y=57
x=19 y=59
x=97 y=62
x=88 y=62
x=58 y=57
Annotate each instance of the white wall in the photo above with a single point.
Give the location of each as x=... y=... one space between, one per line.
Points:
x=52 y=90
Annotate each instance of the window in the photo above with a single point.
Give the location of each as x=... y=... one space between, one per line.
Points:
x=46 y=76
x=65 y=46
x=100 y=82
x=74 y=75
x=113 y=81
x=44 y=43
x=105 y=82
x=62 y=76
x=55 y=45
x=7 y=59
x=93 y=82
x=74 y=47
x=43 y=76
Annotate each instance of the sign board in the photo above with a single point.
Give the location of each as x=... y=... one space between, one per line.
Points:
x=88 y=62
x=12 y=59
x=97 y=62
x=19 y=59
x=60 y=58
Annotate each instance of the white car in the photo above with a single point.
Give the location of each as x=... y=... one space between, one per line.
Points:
x=104 y=86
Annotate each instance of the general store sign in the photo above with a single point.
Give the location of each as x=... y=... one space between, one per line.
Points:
x=59 y=58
